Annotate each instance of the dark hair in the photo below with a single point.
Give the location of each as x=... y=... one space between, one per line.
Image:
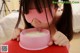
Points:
x=65 y=22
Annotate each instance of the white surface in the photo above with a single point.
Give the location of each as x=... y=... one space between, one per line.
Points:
x=76 y=23
x=8 y=23
x=2 y=34
x=35 y=34
x=76 y=17
x=3 y=38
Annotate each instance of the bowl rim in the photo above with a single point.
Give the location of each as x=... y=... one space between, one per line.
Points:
x=47 y=32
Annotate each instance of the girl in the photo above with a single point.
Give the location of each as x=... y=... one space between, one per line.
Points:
x=34 y=10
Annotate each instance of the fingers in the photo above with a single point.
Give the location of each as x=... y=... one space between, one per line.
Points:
x=50 y=43
x=56 y=36
x=58 y=40
x=68 y=46
x=15 y=33
x=35 y=22
x=63 y=43
x=18 y=38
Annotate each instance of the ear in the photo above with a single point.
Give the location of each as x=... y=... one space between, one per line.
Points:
x=59 y=11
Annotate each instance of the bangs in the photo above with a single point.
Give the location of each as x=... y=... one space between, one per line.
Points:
x=37 y=4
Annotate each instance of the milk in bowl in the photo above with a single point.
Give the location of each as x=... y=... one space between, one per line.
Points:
x=35 y=34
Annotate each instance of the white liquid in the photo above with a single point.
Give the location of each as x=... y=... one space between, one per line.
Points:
x=35 y=34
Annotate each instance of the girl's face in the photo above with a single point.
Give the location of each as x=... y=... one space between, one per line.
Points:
x=39 y=20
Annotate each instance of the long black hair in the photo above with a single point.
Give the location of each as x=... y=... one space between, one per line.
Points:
x=64 y=24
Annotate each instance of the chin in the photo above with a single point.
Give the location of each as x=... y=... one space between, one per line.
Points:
x=43 y=27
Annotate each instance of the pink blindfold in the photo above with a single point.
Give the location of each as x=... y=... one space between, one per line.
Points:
x=40 y=16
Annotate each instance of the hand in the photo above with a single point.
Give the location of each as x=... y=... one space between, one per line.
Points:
x=38 y=24
x=35 y=22
x=60 y=39
x=16 y=33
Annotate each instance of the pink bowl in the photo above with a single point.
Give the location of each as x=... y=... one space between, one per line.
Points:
x=36 y=42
